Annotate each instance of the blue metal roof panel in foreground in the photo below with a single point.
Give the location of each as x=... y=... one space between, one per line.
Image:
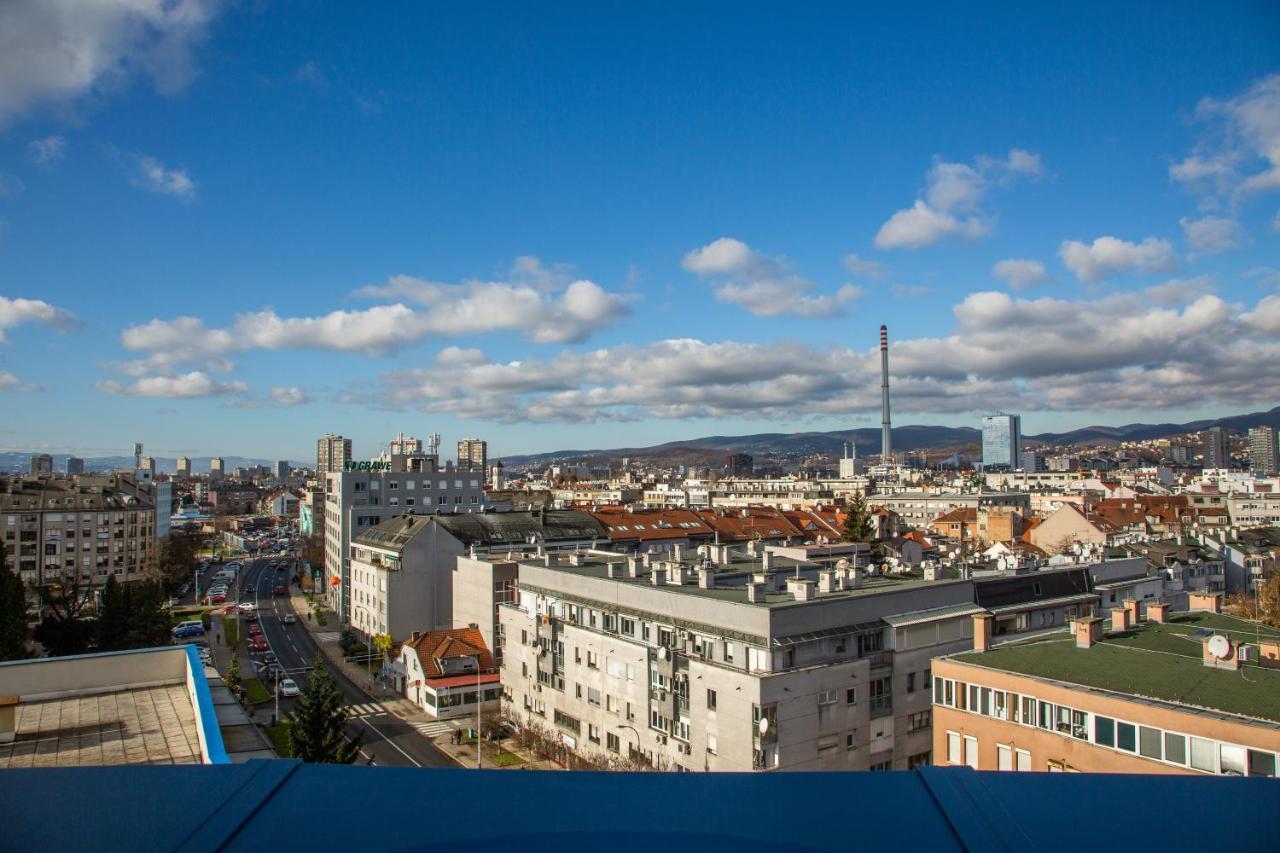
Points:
x=284 y=805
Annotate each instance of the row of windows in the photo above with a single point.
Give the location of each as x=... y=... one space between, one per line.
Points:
x=1203 y=754
x=410 y=485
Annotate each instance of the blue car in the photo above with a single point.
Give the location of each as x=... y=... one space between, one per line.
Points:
x=183 y=632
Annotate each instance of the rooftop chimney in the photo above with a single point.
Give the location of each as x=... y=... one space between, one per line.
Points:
x=801 y=589
x=886 y=442
x=1088 y=631
x=613 y=570
x=659 y=576
x=827 y=580
x=706 y=578
x=983 y=631
x=766 y=560
x=633 y=567
x=677 y=552
x=755 y=592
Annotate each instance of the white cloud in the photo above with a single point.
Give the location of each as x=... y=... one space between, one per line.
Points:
x=154 y=176
x=761 y=284
x=1107 y=256
x=1264 y=276
x=849 y=293
x=9 y=382
x=186 y=385
x=1240 y=153
x=47 y=150
x=289 y=396
x=855 y=265
x=1019 y=273
x=1212 y=234
x=1167 y=347
x=58 y=52
x=952 y=202
x=14 y=312
x=1179 y=291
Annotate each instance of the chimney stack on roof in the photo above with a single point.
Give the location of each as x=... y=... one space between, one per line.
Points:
x=755 y=592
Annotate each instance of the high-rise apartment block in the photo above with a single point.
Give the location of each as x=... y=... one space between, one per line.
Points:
x=63 y=531
x=739 y=464
x=1217 y=448
x=184 y=468
x=282 y=469
x=333 y=452
x=1001 y=441
x=149 y=464
x=75 y=465
x=473 y=453
x=404 y=445
x=217 y=469
x=41 y=464
x=1263 y=453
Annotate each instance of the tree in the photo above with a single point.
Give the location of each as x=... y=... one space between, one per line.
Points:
x=132 y=616
x=13 y=614
x=1269 y=601
x=232 y=677
x=113 y=616
x=62 y=631
x=858 y=526
x=172 y=560
x=313 y=550
x=318 y=734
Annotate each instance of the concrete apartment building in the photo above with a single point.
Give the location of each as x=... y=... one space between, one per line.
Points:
x=59 y=531
x=1216 y=448
x=677 y=660
x=41 y=465
x=918 y=509
x=184 y=468
x=332 y=454
x=473 y=453
x=217 y=468
x=1264 y=455
x=75 y=465
x=357 y=500
x=406 y=571
x=1144 y=697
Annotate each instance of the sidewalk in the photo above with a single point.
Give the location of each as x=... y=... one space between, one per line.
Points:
x=439 y=732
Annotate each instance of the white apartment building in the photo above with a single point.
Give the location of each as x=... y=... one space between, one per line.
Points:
x=60 y=531
x=356 y=500
x=918 y=509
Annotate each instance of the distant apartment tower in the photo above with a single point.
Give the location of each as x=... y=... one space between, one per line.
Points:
x=148 y=464
x=1263 y=455
x=282 y=469
x=473 y=453
x=1217 y=448
x=333 y=452
x=1031 y=461
x=1001 y=440
x=41 y=463
x=217 y=469
x=184 y=467
x=739 y=464
x=403 y=445
x=75 y=465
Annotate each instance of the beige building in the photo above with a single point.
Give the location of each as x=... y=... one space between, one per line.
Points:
x=65 y=531
x=184 y=468
x=1149 y=697
x=1064 y=528
x=332 y=454
x=473 y=453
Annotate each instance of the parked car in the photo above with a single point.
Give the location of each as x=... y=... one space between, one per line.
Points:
x=246 y=606
x=280 y=590
x=289 y=687
x=255 y=631
x=250 y=617
x=288 y=619
x=269 y=657
x=217 y=598
x=258 y=645
x=183 y=632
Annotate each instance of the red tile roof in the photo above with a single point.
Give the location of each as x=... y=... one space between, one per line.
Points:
x=650 y=524
x=451 y=643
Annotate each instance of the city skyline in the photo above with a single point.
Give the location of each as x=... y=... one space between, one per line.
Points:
x=553 y=231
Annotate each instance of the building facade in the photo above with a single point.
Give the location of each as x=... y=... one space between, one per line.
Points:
x=1001 y=441
x=75 y=465
x=1263 y=453
x=217 y=468
x=473 y=453
x=1216 y=448
x=332 y=454
x=184 y=468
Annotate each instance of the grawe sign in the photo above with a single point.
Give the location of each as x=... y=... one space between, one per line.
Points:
x=366 y=465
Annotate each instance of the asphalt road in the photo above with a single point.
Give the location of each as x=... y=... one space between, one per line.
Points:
x=387 y=740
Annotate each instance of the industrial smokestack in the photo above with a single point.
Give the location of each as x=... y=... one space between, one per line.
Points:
x=886 y=441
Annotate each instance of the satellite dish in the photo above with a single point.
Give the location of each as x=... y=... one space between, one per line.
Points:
x=764 y=725
x=1219 y=646
x=662 y=652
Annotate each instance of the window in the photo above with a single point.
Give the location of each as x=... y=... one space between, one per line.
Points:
x=1023 y=759
x=851 y=696
x=1233 y=760
x=1175 y=748
x=593 y=733
x=920 y=759
x=1104 y=731
x=711 y=700
x=882 y=765
x=712 y=746
x=971 y=751
x=1262 y=763
x=851 y=740
x=1004 y=757
x=1150 y=743
x=827 y=697
x=1126 y=737
x=953 y=748
x=611 y=742
x=918 y=721
x=911 y=682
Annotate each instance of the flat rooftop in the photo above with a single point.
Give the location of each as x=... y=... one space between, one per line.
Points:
x=146 y=725
x=1155 y=661
x=731 y=579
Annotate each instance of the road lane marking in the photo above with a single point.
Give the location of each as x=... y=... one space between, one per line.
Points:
x=394 y=745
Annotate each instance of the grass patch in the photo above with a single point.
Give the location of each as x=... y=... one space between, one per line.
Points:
x=255 y=691
x=505 y=759
x=320 y=620
x=279 y=734
x=1238 y=629
x=231 y=630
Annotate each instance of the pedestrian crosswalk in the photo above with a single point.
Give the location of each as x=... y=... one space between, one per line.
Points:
x=365 y=709
x=434 y=728
x=327 y=636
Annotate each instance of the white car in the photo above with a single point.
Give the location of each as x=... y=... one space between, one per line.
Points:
x=247 y=606
x=289 y=687
x=288 y=619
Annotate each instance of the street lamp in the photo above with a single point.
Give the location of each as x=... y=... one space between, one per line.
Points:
x=479 y=704
x=634 y=732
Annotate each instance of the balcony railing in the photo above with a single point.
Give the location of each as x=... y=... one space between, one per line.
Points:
x=881 y=706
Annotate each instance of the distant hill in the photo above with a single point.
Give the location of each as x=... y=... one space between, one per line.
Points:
x=20 y=462
x=710 y=450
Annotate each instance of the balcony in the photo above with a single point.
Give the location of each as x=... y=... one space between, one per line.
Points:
x=881 y=660
x=881 y=706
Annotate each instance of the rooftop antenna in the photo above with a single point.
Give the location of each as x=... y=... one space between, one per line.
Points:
x=433 y=443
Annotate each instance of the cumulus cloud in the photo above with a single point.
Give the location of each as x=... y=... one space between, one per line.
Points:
x=156 y=177
x=56 y=53
x=186 y=385
x=952 y=201
x=532 y=307
x=1107 y=256
x=1165 y=347
x=47 y=150
x=14 y=312
x=289 y=396
x=1239 y=153
x=759 y=283
x=1019 y=273
x=855 y=265
x=1210 y=235
x=9 y=382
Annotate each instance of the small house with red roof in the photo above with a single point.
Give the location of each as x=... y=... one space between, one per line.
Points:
x=444 y=671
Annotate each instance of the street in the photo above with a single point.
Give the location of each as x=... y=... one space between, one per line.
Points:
x=388 y=741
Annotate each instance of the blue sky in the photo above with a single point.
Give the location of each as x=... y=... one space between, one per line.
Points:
x=231 y=227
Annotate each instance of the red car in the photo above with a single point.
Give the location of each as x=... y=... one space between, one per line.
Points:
x=255 y=631
x=280 y=591
x=258 y=645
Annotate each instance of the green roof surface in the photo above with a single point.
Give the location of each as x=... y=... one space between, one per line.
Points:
x=1155 y=661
